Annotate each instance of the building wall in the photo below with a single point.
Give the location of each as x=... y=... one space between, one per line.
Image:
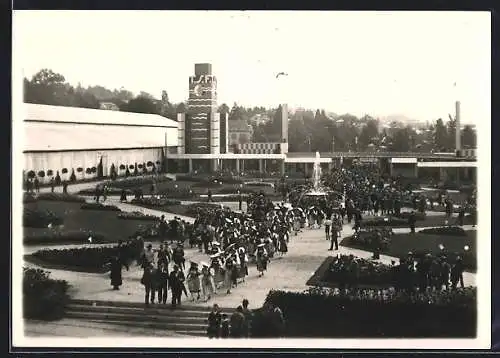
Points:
x=56 y=161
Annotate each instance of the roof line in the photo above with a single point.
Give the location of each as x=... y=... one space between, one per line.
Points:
x=91 y=149
x=100 y=124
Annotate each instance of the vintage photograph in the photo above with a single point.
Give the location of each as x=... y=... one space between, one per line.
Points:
x=221 y=178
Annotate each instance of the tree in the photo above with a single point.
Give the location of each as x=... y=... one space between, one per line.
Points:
x=224 y=108
x=401 y=140
x=468 y=137
x=141 y=104
x=368 y=134
x=440 y=136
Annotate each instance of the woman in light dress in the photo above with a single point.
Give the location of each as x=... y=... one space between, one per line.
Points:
x=207 y=282
x=193 y=281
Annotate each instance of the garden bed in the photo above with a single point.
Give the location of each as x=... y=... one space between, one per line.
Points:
x=445 y=230
x=78 y=223
x=83 y=259
x=69 y=198
x=322 y=313
x=111 y=191
x=392 y=221
x=99 y=206
x=40 y=218
x=154 y=202
x=137 y=215
x=420 y=244
x=364 y=273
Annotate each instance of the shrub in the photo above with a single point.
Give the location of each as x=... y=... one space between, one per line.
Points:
x=149 y=164
x=60 y=197
x=193 y=209
x=131 y=166
x=79 y=169
x=137 y=215
x=155 y=202
x=64 y=171
x=445 y=230
x=93 y=170
x=140 y=166
x=40 y=218
x=327 y=313
x=99 y=206
x=122 y=167
x=41 y=174
x=43 y=298
x=88 y=171
x=31 y=174
x=130 y=183
x=50 y=173
x=64 y=237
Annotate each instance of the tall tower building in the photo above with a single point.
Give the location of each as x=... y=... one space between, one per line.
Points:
x=200 y=128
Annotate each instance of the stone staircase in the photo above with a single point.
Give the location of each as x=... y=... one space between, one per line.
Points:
x=187 y=320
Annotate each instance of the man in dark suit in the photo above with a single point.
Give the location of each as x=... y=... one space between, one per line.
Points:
x=176 y=282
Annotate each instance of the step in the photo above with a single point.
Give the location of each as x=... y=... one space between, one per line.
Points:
x=145 y=310
x=174 y=327
x=186 y=307
x=137 y=317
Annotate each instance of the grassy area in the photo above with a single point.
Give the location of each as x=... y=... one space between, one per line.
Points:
x=106 y=224
x=401 y=244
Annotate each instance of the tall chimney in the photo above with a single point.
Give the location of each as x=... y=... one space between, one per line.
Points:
x=458 y=144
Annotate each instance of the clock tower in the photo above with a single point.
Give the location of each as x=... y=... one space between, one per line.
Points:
x=202 y=130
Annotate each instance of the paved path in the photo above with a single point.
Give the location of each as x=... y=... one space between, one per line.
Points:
x=306 y=252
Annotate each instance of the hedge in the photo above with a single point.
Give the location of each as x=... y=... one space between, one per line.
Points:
x=130 y=183
x=40 y=218
x=99 y=206
x=445 y=230
x=43 y=298
x=323 y=313
x=60 y=197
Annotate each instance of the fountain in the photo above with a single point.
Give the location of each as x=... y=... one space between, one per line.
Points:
x=317 y=190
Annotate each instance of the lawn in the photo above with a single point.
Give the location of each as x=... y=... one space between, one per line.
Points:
x=418 y=243
x=105 y=224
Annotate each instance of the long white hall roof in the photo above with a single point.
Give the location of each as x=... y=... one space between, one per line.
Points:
x=54 y=128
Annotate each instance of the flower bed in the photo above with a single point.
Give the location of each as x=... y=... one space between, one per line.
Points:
x=99 y=206
x=421 y=244
x=155 y=202
x=367 y=239
x=111 y=191
x=60 y=197
x=84 y=259
x=64 y=237
x=445 y=230
x=137 y=215
x=43 y=298
x=234 y=190
x=40 y=218
x=326 y=313
x=347 y=271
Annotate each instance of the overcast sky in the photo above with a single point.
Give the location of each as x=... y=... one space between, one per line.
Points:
x=358 y=62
